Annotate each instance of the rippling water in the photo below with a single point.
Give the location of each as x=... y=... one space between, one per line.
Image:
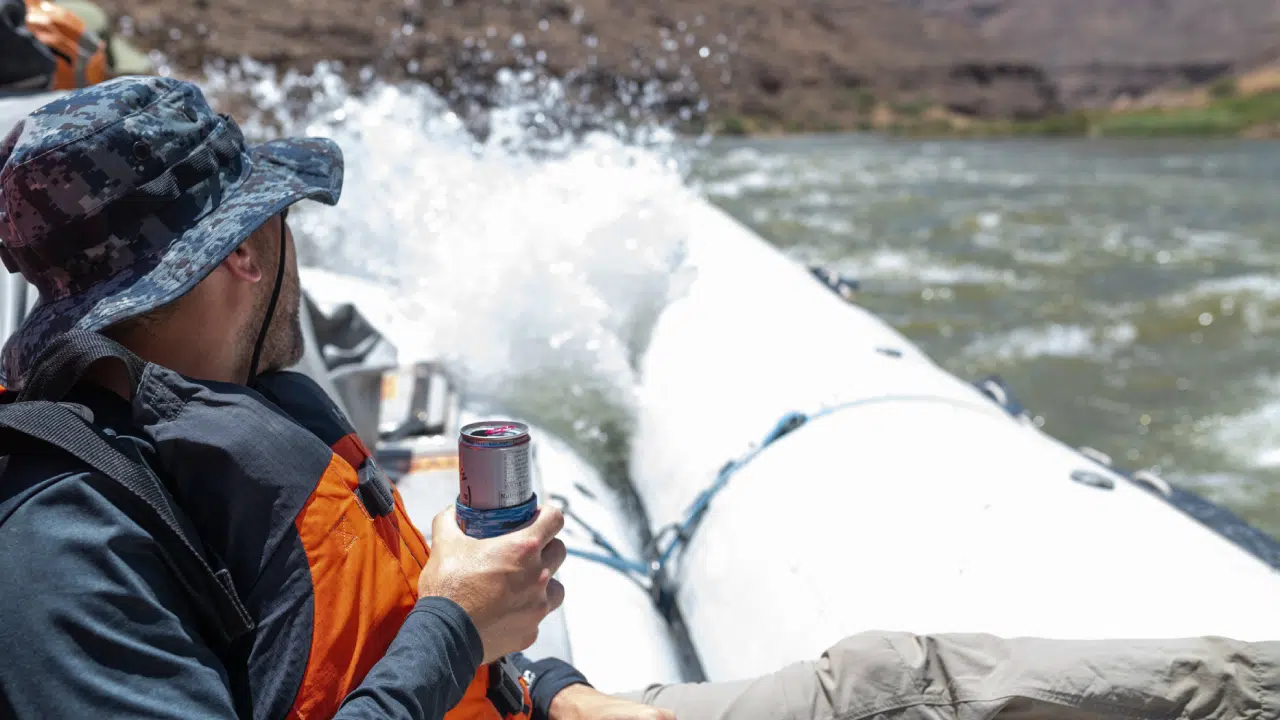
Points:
x=1127 y=290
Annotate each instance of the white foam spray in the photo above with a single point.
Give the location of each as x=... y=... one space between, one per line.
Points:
x=534 y=266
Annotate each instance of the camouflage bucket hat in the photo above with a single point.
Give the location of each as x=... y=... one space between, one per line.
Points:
x=120 y=198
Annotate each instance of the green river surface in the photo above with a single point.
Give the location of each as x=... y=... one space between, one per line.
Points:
x=1126 y=290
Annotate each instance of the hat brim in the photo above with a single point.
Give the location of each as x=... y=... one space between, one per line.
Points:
x=284 y=172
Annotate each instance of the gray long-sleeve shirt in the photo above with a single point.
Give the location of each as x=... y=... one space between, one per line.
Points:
x=92 y=622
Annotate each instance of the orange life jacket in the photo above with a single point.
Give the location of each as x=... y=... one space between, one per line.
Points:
x=81 y=54
x=361 y=601
x=281 y=492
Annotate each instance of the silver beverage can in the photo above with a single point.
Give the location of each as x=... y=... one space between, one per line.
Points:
x=494 y=463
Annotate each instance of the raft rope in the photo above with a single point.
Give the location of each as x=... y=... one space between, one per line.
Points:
x=653 y=575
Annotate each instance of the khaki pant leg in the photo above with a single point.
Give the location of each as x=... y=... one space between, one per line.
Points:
x=898 y=676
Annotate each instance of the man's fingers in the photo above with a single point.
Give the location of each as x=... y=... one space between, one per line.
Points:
x=548 y=524
x=555 y=595
x=553 y=555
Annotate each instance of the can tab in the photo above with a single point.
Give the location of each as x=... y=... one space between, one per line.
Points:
x=374 y=489
x=505 y=691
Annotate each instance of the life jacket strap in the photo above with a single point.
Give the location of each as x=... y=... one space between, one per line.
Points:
x=36 y=414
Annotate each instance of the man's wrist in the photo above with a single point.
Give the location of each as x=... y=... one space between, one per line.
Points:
x=562 y=705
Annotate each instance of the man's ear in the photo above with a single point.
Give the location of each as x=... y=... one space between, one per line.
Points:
x=244 y=264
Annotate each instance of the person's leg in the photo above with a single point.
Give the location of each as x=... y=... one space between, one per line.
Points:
x=898 y=676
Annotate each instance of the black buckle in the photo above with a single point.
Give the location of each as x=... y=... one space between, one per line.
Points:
x=374 y=489
x=505 y=691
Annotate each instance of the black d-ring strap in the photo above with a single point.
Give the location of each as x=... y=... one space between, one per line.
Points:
x=64 y=362
x=38 y=415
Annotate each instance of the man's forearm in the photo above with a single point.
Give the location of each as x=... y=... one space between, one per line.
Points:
x=425 y=671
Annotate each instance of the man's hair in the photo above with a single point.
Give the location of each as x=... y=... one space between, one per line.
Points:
x=141 y=323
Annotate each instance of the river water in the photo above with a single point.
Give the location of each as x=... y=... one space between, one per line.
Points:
x=1125 y=290
x=1128 y=291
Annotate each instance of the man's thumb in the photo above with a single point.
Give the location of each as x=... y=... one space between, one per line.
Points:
x=445 y=524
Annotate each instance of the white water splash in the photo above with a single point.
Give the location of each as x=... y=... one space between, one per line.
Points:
x=535 y=266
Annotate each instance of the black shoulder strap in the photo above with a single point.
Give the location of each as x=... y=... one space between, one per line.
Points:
x=37 y=415
x=65 y=360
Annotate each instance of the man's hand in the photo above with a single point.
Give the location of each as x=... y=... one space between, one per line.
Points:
x=581 y=702
x=504 y=583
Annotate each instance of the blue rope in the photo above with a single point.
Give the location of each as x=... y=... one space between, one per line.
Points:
x=620 y=564
x=654 y=573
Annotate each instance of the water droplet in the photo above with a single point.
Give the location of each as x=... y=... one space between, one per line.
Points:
x=517 y=40
x=1206 y=319
x=704 y=52
x=543 y=25
x=406 y=29
x=175 y=34
x=1145 y=419
x=491 y=31
x=1163 y=257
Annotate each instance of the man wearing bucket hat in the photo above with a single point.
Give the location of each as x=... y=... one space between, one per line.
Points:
x=274 y=572
x=186 y=530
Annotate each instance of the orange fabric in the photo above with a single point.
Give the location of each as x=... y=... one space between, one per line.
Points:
x=359 y=605
x=81 y=55
x=365 y=577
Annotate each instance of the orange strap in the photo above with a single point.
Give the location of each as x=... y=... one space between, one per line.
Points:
x=81 y=54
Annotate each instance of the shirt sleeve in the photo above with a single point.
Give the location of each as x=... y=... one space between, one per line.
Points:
x=546 y=678
x=96 y=626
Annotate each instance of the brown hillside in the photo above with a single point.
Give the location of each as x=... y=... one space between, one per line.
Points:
x=1100 y=50
x=810 y=64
